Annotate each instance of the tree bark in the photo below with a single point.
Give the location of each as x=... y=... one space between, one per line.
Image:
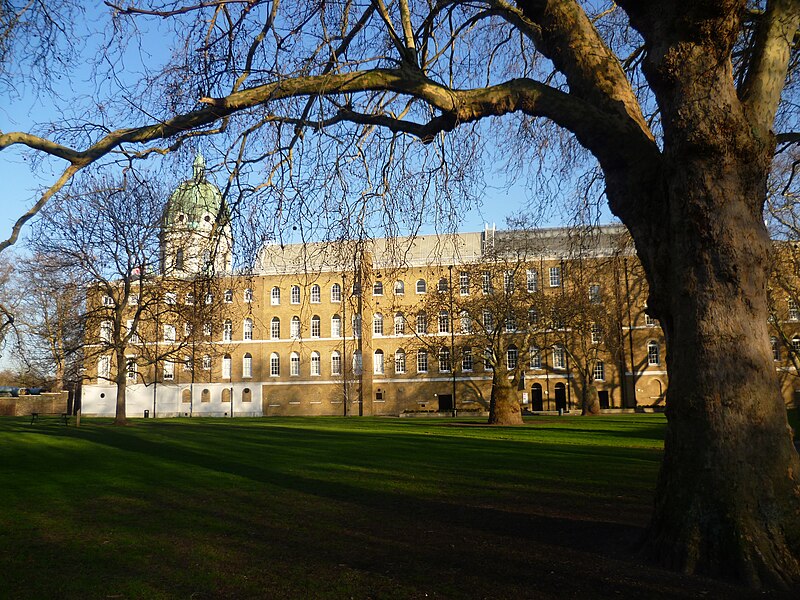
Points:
x=120 y=417
x=504 y=407
x=590 y=403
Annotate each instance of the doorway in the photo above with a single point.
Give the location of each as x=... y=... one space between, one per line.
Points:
x=445 y=402
x=536 y=397
x=561 y=397
x=602 y=395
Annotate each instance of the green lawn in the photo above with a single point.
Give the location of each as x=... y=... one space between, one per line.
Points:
x=331 y=508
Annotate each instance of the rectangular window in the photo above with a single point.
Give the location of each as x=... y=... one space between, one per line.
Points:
x=105 y=331
x=294 y=365
x=130 y=368
x=444 y=361
x=336 y=293
x=508 y=282
x=511 y=358
x=248 y=295
x=108 y=301
x=532 y=278
x=597 y=333
x=103 y=368
x=336 y=327
x=226 y=367
x=594 y=294
x=377 y=363
x=134 y=338
x=463 y=283
x=488 y=320
x=187 y=364
x=357 y=326
x=170 y=298
x=133 y=299
x=536 y=359
x=206 y=328
x=274 y=365
x=599 y=371
x=422 y=362
x=649 y=321
x=315 y=364
x=227 y=331
x=399 y=362
x=315 y=327
x=169 y=370
x=275 y=329
x=295 y=296
x=559 y=357
x=336 y=364
x=315 y=294
x=399 y=325
x=466 y=322
x=555 y=276
x=422 y=323
x=444 y=322
x=275 y=296
x=486 y=286
x=247 y=366
x=466 y=359
x=169 y=333
x=206 y=363
x=794 y=310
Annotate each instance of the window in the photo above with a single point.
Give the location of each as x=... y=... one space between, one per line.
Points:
x=594 y=294
x=536 y=359
x=508 y=282
x=294 y=327
x=444 y=322
x=557 y=320
x=400 y=362
x=316 y=295
x=377 y=362
x=209 y=298
x=336 y=293
x=187 y=330
x=377 y=324
x=275 y=328
x=399 y=324
x=466 y=322
x=179 y=259
x=103 y=368
x=463 y=283
x=227 y=296
x=134 y=337
x=399 y=288
x=443 y=285
x=205 y=395
x=555 y=277
x=247 y=395
x=336 y=363
x=357 y=288
x=422 y=323
x=488 y=359
x=169 y=333
x=274 y=365
x=226 y=366
x=227 y=331
x=796 y=345
x=188 y=365
x=377 y=288
x=206 y=362
x=206 y=328
x=169 y=370
x=130 y=368
x=294 y=364
x=532 y=280
x=248 y=295
x=133 y=299
x=776 y=349
x=599 y=371
x=444 y=360
x=533 y=317
x=315 y=326
x=336 y=326
x=653 y=354
x=188 y=299
x=488 y=320
x=794 y=310
x=170 y=298
x=511 y=323
x=422 y=361
x=275 y=296
x=315 y=364
x=357 y=325
x=294 y=296
x=247 y=329
x=486 y=282
x=358 y=364
x=597 y=333
x=108 y=301
x=422 y=287
x=559 y=357
x=512 y=356
x=466 y=359
x=649 y=321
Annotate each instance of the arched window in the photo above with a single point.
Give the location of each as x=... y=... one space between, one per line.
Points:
x=275 y=296
x=247 y=365
x=336 y=363
x=247 y=329
x=336 y=293
x=377 y=288
x=336 y=326
x=247 y=395
x=444 y=360
x=512 y=355
x=275 y=328
x=274 y=365
x=357 y=325
x=227 y=296
x=399 y=324
x=315 y=294
x=444 y=322
x=186 y=396
x=315 y=326
x=399 y=288
x=248 y=295
x=422 y=287
x=295 y=295
x=226 y=394
x=466 y=359
x=205 y=396
x=377 y=324
x=422 y=361
x=377 y=362
x=653 y=353
x=599 y=371
x=357 y=363
x=294 y=327
x=226 y=366
x=400 y=361
x=315 y=364
x=443 y=285
x=294 y=364
x=227 y=331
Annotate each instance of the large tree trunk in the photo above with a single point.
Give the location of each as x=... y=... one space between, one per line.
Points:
x=590 y=402
x=504 y=407
x=121 y=381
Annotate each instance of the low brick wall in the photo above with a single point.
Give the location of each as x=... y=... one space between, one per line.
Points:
x=55 y=402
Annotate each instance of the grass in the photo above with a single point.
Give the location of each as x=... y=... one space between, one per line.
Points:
x=331 y=508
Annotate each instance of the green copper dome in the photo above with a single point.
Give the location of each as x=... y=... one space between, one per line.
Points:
x=195 y=202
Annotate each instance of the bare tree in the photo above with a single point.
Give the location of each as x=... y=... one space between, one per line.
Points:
x=678 y=102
